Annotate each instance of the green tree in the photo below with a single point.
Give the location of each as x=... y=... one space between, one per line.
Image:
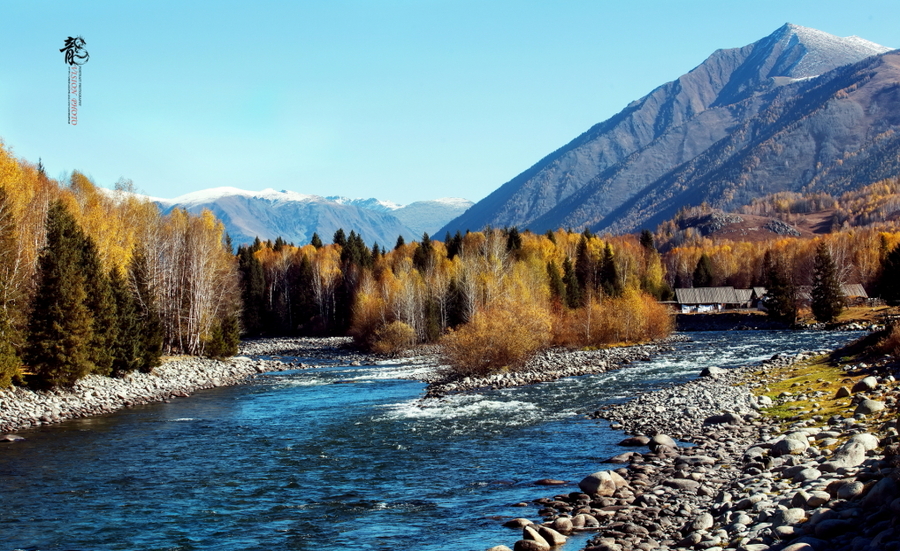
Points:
x=423 y=257
x=102 y=305
x=126 y=350
x=827 y=297
x=889 y=283
x=253 y=288
x=60 y=326
x=340 y=238
x=400 y=242
x=781 y=294
x=703 y=273
x=647 y=240
x=573 y=287
x=316 y=241
x=609 y=274
x=224 y=340
x=557 y=286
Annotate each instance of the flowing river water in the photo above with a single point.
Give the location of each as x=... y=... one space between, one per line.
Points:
x=333 y=458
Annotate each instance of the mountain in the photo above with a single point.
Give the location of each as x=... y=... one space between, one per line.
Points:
x=269 y=213
x=798 y=110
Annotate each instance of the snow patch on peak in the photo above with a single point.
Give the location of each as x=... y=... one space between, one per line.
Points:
x=371 y=203
x=807 y=52
x=213 y=194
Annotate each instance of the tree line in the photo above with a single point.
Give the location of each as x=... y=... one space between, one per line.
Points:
x=99 y=281
x=513 y=292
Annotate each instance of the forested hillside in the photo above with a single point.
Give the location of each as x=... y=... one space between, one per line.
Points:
x=99 y=282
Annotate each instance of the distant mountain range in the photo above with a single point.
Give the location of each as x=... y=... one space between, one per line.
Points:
x=269 y=213
x=799 y=110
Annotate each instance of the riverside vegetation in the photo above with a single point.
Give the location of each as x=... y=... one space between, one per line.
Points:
x=98 y=281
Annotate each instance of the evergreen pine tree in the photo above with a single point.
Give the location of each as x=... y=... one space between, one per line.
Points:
x=703 y=273
x=513 y=239
x=102 y=304
x=340 y=238
x=149 y=323
x=585 y=268
x=424 y=254
x=573 y=288
x=400 y=242
x=889 y=283
x=781 y=293
x=127 y=346
x=647 y=240
x=551 y=236
x=827 y=297
x=316 y=241
x=557 y=287
x=253 y=288
x=224 y=340
x=609 y=274
x=60 y=325
x=454 y=245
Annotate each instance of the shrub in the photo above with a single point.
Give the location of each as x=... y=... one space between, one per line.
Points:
x=393 y=338
x=503 y=336
x=633 y=317
x=891 y=343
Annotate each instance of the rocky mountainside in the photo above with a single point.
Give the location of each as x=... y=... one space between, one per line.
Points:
x=295 y=217
x=797 y=110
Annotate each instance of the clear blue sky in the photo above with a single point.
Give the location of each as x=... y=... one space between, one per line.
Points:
x=402 y=100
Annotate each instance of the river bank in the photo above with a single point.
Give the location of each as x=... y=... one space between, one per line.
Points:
x=23 y=408
x=748 y=482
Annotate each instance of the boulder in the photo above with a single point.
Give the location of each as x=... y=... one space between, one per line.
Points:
x=865 y=385
x=635 y=441
x=794 y=515
x=517 y=523
x=11 y=438
x=851 y=490
x=831 y=528
x=883 y=492
x=789 y=446
x=600 y=483
x=703 y=522
x=842 y=392
x=712 y=372
x=661 y=440
x=551 y=536
x=682 y=483
x=499 y=548
x=868 y=441
x=867 y=407
x=531 y=533
x=850 y=454
x=806 y=475
x=531 y=545
x=563 y=525
x=550 y=482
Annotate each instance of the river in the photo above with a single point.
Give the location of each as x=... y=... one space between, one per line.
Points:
x=332 y=458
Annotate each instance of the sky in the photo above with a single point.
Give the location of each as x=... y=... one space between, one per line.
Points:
x=403 y=100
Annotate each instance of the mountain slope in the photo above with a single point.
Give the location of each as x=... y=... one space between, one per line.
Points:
x=591 y=181
x=295 y=217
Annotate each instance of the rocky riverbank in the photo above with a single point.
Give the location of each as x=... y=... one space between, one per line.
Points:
x=550 y=365
x=22 y=408
x=747 y=482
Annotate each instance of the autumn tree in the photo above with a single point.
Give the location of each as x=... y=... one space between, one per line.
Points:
x=827 y=298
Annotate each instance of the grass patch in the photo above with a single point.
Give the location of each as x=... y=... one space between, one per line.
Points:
x=808 y=377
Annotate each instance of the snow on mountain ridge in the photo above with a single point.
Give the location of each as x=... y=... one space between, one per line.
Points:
x=820 y=50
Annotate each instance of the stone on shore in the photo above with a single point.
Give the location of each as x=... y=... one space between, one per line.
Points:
x=661 y=440
x=602 y=483
x=867 y=407
x=635 y=441
x=865 y=385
